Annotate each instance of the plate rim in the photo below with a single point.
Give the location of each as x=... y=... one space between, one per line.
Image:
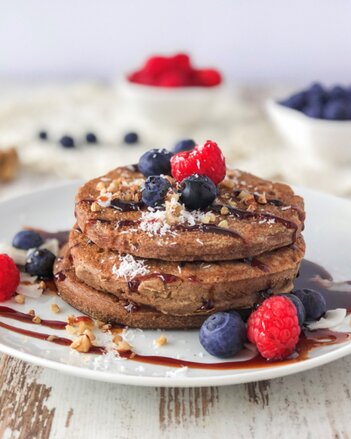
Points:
x=247 y=376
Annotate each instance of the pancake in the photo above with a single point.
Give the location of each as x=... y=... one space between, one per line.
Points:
x=111 y=309
x=185 y=288
x=250 y=216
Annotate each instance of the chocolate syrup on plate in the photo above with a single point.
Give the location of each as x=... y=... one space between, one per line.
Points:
x=311 y=276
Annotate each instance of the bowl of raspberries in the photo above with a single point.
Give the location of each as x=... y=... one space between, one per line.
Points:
x=316 y=119
x=170 y=89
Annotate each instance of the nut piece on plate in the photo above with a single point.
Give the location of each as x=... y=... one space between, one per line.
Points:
x=8 y=164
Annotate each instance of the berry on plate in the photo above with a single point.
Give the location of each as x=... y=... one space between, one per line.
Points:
x=154 y=190
x=313 y=301
x=300 y=309
x=26 y=239
x=184 y=145
x=198 y=192
x=40 y=263
x=155 y=162
x=223 y=334
x=274 y=328
x=9 y=277
x=206 y=159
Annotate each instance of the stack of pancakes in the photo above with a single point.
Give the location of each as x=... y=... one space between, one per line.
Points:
x=167 y=267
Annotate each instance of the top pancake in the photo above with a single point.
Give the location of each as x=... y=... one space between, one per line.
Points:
x=250 y=216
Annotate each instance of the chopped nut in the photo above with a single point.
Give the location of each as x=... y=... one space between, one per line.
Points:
x=20 y=299
x=162 y=340
x=224 y=210
x=42 y=285
x=36 y=319
x=82 y=344
x=83 y=326
x=227 y=183
x=99 y=323
x=123 y=346
x=52 y=338
x=262 y=198
x=8 y=164
x=95 y=207
x=117 y=339
x=208 y=218
x=250 y=208
x=90 y=334
x=224 y=224
x=100 y=186
x=71 y=329
x=71 y=319
x=55 y=308
x=105 y=327
x=31 y=312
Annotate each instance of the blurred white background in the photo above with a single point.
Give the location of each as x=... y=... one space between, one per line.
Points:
x=252 y=41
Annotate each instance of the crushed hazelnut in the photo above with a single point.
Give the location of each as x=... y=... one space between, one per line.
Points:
x=261 y=199
x=90 y=334
x=123 y=346
x=82 y=344
x=224 y=210
x=227 y=183
x=55 y=308
x=99 y=323
x=114 y=185
x=71 y=329
x=83 y=326
x=105 y=327
x=95 y=207
x=208 y=218
x=20 y=299
x=245 y=197
x=162 y=340
x=100 y=186
x=42 y=285
x=36 y=319
x=31 y=312
x=223 y=223
x=117 y=339
x=52 y=338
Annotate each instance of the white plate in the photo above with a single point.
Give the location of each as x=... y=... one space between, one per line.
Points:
x=328 y=243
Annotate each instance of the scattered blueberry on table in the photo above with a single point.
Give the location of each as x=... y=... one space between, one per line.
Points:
x=223 y=334
x=43 y=135
x=320 y=102
x=131 y=138
x=91 y=138
x=184 y=145
x=26 y=239
x=67 y=142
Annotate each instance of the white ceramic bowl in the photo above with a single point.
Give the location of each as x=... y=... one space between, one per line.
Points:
x=176 y=106
x=328 y=139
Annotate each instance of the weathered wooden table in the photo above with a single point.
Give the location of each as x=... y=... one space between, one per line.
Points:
x=41 y=403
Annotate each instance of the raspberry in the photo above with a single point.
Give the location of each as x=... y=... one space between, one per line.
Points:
x=274 y=328
x=205 y=159
x=207 y=77
x=173 y=79
x=9 y=277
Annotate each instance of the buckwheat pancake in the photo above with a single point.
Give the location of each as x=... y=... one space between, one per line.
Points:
x=250 y=216
x=111 y=309
x=189 y=287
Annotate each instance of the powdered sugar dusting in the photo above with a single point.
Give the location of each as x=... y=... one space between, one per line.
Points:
x=130 y=267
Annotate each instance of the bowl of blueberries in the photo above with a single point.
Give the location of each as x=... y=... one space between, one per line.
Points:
x=317 y=120
x=169 y=89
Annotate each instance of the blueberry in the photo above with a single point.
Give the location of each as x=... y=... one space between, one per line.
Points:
x=154 y=190
x=91 y=138
x=67 y=142
x=297 y=101
x=337 y=92
x=26 y=239
x=313 y=110
x=313 y=301
x=316 y=89
x=40 y=263
x=155 y=162
x=184 y=145
x=198 y=192
x=43 y=135
x=223 y=334
x=300 y=309
x=131 y=138
x=335 y=110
